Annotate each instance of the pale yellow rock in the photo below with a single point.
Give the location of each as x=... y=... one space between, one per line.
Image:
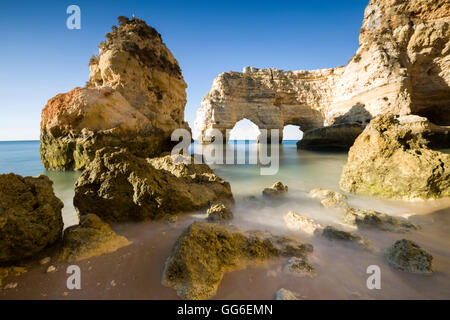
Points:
x=402 y=66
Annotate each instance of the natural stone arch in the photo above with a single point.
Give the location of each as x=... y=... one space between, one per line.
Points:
x=252 y=130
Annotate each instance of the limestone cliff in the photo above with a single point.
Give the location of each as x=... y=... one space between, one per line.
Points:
x=402 y=66
x=134 y=99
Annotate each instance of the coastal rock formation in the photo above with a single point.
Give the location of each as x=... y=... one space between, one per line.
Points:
x=219 y=212
x=134 y=99
x=377 y=220
x=284 y=294
x=90 y=238
x=391 y=159
x=402 y=66
x=278 y=189
x=334 y=137
x=119 y=186
x=30 y=216
x=300 y=267
x=408 y=256
x=295 y=221
x=332 y=233
x=205 y=251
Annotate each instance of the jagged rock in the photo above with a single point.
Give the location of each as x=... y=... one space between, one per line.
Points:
x=278 y=189
x=321 y=194
x=134 y=99
x=90 y=238
x=219 y=212
x=284 y=294
x=205 y=251
x=335 y=137
x=295 y=221
x=332 y=233
x=400 y=67
x=408 y=256
x=118 y=186
x=30 y=216
x=378 y=220
x=391 y=159
x=300 y=267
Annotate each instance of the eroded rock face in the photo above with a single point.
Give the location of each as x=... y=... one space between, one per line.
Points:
x=391 y=159
x=335 y=137
x=90 y=238
x=134 y=99
x=205 y=251
x=118 y=186
x=30 y=216
x=402 y=66
x=408 y=256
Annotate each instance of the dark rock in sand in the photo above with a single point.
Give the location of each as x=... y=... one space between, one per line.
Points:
x=90 y=238
x=408 y=256
x=205 y=251
x=118 y=186
x=30 y=216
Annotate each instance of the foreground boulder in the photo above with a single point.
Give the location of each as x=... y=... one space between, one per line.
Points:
x=118 y=186
x=408 y=256
x=278 y=189
x=391 y=159
x=134 y=99
x=90 y=238
x=30 y=216
x=205 y=251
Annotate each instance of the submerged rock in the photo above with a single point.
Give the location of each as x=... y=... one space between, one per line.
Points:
x=300 y=267
x=378 y=220
x=30 y=216
x=330 y=203
x=322 y=194
x=295 y=221
x=134 y=99
x=6 y=272
x=90 y=238
x=332 y=233
x=118 y=186
x=408 y=256
x=219 y=212
x=391 y=159
x=205 y=251
x=278 y=189
x=284 y=294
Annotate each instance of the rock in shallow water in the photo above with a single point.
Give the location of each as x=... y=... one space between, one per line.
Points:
x=391 y=159
x=295 y=221
x=30 y=216
x=319 y=193
x=332 y=233
x=205 y=251
x=278 y=189
x=118 y=186
x=377 y=220
x=408 y=256
x=300 y=267
x=284 y=294
x=134 y=99
x=219 y=212
x=90 y=238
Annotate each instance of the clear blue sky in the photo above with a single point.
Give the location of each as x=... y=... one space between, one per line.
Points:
x=40 y=57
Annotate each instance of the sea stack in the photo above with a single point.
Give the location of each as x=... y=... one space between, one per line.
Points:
x=134 y=99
